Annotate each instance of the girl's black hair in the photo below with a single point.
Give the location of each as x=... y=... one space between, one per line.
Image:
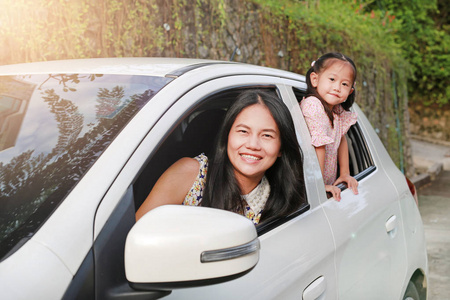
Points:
x=285 y=176
x=320 y=65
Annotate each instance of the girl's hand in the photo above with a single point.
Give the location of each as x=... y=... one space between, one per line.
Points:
x=352 y=183
x=335 y=191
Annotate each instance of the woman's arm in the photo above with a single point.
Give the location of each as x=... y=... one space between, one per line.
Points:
x=172 y=186
x=344 y=167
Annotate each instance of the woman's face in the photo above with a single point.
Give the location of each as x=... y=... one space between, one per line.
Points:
x=253 y=143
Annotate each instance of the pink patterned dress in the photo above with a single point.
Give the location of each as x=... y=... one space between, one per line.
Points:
x=323 y=134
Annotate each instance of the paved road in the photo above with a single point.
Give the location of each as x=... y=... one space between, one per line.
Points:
x=426 y=154
x=434 y=205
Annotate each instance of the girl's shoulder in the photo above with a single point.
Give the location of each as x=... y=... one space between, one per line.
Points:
x=311 y=100
x=347 y=118
x=345 y=113
x=312 y=106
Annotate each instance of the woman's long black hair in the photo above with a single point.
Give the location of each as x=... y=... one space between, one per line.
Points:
x=285 y=176
x=322 y=64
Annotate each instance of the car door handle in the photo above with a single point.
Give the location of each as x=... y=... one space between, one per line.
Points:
x=391 y=225
x=315 y=289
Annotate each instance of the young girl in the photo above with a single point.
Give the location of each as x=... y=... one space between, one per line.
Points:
x=330 y=94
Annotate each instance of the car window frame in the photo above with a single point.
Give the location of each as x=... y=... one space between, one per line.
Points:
x=178 y=108
x=269 y=224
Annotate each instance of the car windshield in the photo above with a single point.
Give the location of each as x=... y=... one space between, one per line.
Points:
x=53 y=127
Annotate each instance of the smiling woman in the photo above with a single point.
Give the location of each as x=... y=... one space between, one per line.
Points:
x=255 y=169
x=253 y=145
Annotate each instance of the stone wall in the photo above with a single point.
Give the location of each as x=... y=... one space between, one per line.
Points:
x=251 y=35
x=238 y=30
x=431 y=123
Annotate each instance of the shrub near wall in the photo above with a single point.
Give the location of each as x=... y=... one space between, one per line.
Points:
x=282 y=34
x=312 y=28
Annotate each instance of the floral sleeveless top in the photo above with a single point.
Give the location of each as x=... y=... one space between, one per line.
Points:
x=195 y=194
x=255 y=200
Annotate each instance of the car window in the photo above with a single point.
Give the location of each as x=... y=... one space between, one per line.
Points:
x=360 y=158
x=53 y=127
x=361 y=162
x=194 y=134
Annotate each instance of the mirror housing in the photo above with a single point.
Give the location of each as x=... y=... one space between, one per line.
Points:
x=177 y=246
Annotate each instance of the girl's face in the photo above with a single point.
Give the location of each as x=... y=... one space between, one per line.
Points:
x=334 y=84
x=253 y=143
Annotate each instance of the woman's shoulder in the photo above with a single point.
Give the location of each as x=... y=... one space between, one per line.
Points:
x=201 y=158
x=189 y=165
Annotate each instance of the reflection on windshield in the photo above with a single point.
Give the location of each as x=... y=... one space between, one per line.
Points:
x=14 y=98
x=52 y=129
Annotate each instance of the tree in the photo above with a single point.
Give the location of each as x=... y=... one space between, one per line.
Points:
x=423 y=36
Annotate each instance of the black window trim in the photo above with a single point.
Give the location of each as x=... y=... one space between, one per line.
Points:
x=366 y=162
x=268 y=225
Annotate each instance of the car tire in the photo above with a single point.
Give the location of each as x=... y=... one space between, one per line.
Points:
x=411 y=292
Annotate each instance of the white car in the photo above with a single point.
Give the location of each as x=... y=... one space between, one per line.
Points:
x=83 y=141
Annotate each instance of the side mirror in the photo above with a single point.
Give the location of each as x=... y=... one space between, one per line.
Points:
x=177 y=246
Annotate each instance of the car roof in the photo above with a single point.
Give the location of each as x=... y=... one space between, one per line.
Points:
x=122 y=65
x=152 y=66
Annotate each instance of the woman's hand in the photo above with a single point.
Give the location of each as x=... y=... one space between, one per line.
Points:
x=351 y=182
x=334 y=191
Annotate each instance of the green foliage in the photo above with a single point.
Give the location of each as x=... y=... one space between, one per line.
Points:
x=30 y=25
x=398 y=56
x=334 y=26
x=401 y=34
x=425 y=44
x=387 y=39
x=36 y=30
x=369 y=38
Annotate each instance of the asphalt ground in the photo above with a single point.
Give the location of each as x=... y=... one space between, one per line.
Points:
x=434 y=206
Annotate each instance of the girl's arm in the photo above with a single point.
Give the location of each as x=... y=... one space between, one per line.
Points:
x=334 y=190
x=320 y=152
x=344 y=167
x=172 y=186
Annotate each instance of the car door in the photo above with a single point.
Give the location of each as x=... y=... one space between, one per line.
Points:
x=297 y=253
x=369 y=235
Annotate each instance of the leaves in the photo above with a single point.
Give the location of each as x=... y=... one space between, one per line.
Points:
x=424 y=44
x=410 y=34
